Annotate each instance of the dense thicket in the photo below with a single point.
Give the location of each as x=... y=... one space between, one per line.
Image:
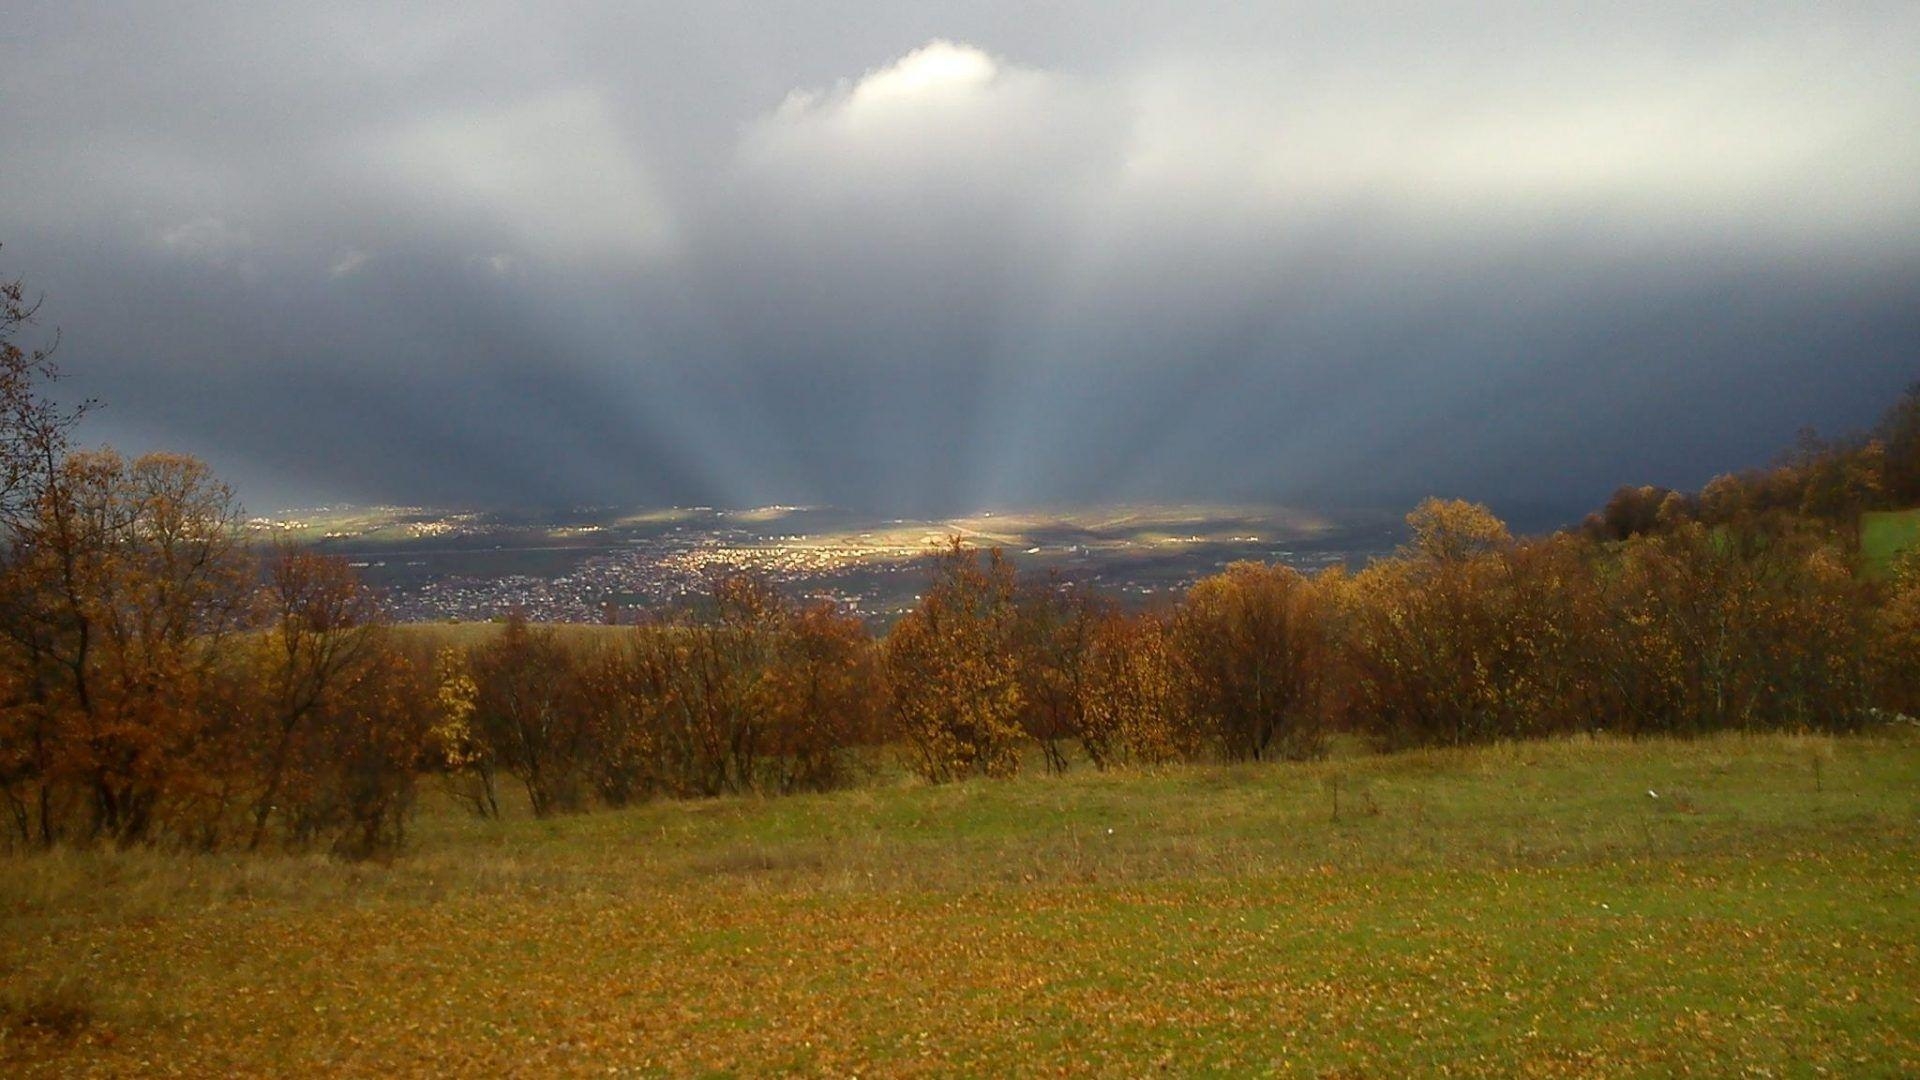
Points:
x=163 y=680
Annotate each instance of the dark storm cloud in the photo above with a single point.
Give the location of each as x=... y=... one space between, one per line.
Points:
x=923 y=257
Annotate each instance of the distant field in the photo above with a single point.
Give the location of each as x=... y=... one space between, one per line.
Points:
x=1885 y=534
x=1726 y=906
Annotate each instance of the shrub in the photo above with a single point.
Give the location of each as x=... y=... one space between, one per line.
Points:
x=1133 y=709
x=1714 y=629
x=823 y=702
x=1054 y=630
x=1252 y=647
x=952 y=671
x=749 y=695
x=528 y=714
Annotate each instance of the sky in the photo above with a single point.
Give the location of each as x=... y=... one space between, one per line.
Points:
x=925 y=258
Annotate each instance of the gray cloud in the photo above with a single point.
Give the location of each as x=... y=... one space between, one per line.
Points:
x=922 y=257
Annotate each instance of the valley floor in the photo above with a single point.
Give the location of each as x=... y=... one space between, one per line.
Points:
x=1726 y=906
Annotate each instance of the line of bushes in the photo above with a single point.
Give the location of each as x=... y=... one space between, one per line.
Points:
x=163 y=681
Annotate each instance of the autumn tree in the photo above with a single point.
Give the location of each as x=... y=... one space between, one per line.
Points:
x=1632 y=511
x=725 y=657
x=1831 y=479
x=742 y=692
x=143 y=696
x=378 y=761
x=121 y=592
x=527 y=711
x=669 y=708
x=1465 y=636
x=1133 y=710
x=455 y=746
x=360 y=753
x=1715 y=629
x=1253 y=647
x=1053 y=637
x=33 y=443
x=335 y=719
x=1452 y=531
x=1894 y=651
x=1725 y=499
x=1899 y=436
x=685 y=709
x=322 y=636
x=629 y=688
x=34 y=428
x=952 y=669
x=823 y=700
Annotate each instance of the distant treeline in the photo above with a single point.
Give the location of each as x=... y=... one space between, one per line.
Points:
x=161 y=681
x=1827 y=480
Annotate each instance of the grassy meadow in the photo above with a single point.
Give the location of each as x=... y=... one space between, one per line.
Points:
x=1886 y=534
x=1732 y=905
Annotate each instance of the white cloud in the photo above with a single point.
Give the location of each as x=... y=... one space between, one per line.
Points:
x=941 y=105
x=938 y=71
x=937 y=68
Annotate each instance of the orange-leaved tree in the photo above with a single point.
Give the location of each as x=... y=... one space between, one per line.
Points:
x=323 y=635
x=527 y=712
x=953 y=672
x=823 y=701
x=1053 y=639
x=121 y=591
x=1133 y=710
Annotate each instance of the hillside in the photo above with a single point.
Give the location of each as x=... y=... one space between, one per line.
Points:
x=1553 y=908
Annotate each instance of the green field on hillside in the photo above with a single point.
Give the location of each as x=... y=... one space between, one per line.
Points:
x=1731 y=905
x=1885 y=534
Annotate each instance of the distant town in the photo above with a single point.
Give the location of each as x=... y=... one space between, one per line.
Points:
x=605 y=565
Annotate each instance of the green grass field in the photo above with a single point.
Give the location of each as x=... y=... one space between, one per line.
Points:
x=1735 y=905
x=1885 y=534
